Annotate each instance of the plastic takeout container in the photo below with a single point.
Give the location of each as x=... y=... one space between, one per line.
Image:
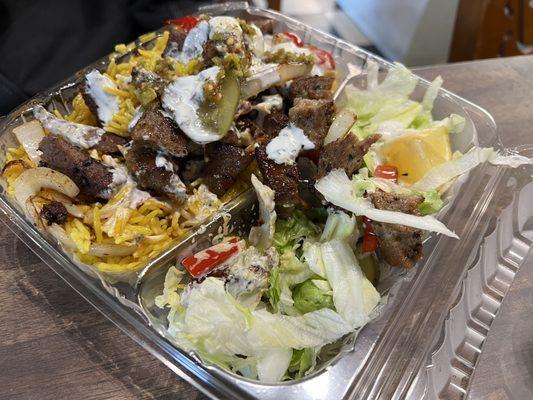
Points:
x=427 y=339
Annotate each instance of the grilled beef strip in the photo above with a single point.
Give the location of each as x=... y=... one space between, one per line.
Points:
x=399 y=245
x=109 y=143
x=345 y=153
x=314 y=117
x=54 y=213
x=281 y=178
x=275 y=122
x=224 y=164
x=311 y=87
x=141 y=162
x=159 y=132
x=91 y=176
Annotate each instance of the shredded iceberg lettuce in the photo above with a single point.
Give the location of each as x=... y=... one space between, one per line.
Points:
x=444 y=173
x=337 y=188
x=290 y=232
x=262 y=236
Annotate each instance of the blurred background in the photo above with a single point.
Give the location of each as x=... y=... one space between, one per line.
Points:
x=43 y=42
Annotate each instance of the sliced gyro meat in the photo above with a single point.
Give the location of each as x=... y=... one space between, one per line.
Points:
x=400 y=246
x=314 y=117
x=345 y=153
x=109 y=143
x=224 y=164
x=282 y=178
x=104 y=105
x=312 y=87
x=91 y=176
x=159 y=132
x=54 y=212
x=245 y=133
x=176 y=39
x=80 y=135
x=275 y=122
x=186 y=46
x=154 y=172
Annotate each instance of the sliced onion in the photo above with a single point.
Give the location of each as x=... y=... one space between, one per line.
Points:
x=273 y=76
x=14 y=164
x=61 y=236
x=343 y=122
x=74 y=210
x=32 y=214
x=111 y=249
x=96 y=249
x=29 y=136
x=31 y=181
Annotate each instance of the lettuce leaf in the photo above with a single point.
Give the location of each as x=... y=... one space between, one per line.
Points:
x=311 y=295
x=292 y=231
x=444 y=173
x=338 y=190
x=290 y=272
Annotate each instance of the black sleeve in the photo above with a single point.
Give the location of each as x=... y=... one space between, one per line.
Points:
x=43 y=42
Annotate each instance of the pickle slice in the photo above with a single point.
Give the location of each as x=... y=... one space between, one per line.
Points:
x=219 y=116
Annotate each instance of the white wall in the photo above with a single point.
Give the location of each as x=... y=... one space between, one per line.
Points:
x=414 y=32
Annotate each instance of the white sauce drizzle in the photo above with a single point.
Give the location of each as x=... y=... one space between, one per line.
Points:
x=183 y=97
x=80 y=135
x=106 y=103
x=285 y=147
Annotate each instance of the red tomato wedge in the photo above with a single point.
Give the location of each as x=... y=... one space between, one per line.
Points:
x=370 y=241
x=294 y=38
x=324 y=57
x=187 y=23
x=205 y=261
x=386 y=172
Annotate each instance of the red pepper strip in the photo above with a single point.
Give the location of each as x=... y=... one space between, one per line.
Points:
x=324 y=57
x=386 y=172
x=294 y=38
x=370 y=240
x=187 y=23
x=205 y=261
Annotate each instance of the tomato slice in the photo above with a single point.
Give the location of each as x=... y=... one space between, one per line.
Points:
x=386 y=172
x=205 y=261
x=370 y=240
x=187 y=23
x=294 y=38
x=324 y=57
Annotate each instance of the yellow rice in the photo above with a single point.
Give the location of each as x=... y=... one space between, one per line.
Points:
x=155 y=225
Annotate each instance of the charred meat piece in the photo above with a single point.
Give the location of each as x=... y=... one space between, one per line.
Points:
x=266 y=25
x=311 y=87
x=159 y=132
x=143 y=79
x=54 y=213
x=345 y=153
x=92 y=177
x=191 y=169
x=400 y=246
x=176 y=37
x=307 y=170
x=109 y=143
x=275 y=122
x=245 y=133
x=314 y=117
x=89 y=101
x=210 y=50
x=224 y=164
x=153 y=172
x=281 y=178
